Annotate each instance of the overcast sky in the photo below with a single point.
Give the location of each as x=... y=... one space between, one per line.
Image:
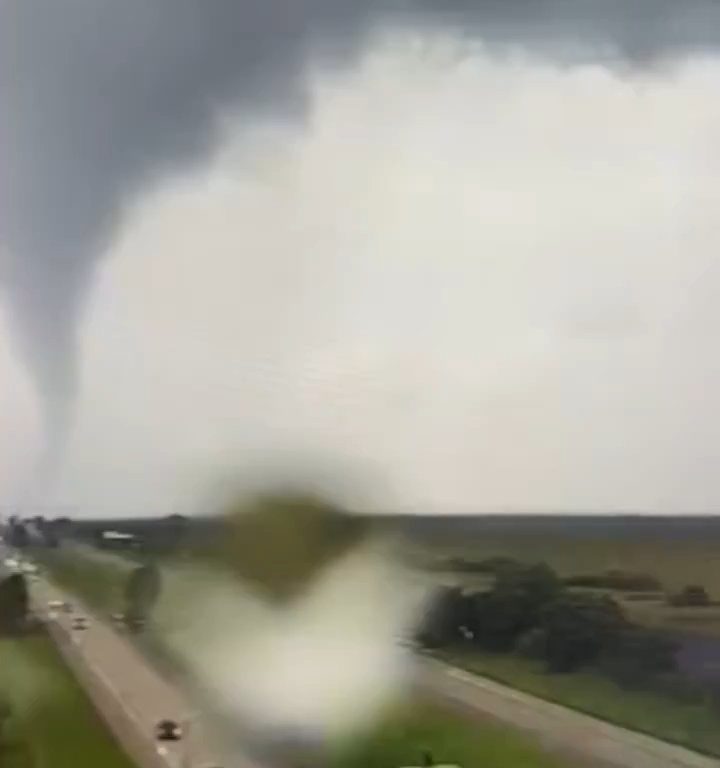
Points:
x=478 y=280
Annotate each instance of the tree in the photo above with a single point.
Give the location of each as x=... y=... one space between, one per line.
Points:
x=533 y=644
x=450 y=611
x=14 y=602
x=495 y=619
x=142 y=590
x=637 y=655
x=17 y=533
x=617 y=580
x=513 y=606
x=578 y=628
x=175 y=527
x=537 y=583
x=63 y=526
x=691 y=596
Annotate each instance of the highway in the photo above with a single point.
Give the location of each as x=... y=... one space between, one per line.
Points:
x=145 y=697
x=560 y=730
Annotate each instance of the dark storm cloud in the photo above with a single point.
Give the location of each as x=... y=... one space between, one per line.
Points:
x=100 y=97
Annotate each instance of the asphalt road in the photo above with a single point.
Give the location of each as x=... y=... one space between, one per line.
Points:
x=144 y=695
x=559 y=729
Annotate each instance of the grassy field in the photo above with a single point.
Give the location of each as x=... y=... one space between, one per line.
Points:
x=675 y=562
x=51 y=715
x=693 y=725
x=406 y=733
x=659 y=615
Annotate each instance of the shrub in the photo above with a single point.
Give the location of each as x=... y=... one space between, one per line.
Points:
x=513 y=606
x=441 y=625
x=14 y=602
x=636 y=656
x=490 y=566
x=533 y=644
x=578 y=629
x=494 y=619
x=691 y=596
x=620 y=581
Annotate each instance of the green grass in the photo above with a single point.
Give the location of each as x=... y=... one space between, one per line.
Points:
x=695 y=725
x=407 y=732
x=52 y=718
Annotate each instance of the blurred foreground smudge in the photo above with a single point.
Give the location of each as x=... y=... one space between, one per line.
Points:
x=280 y=543
x=288 y=622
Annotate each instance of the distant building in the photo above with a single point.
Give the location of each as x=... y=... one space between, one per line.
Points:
x=117 y=540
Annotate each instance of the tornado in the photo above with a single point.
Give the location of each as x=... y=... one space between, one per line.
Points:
x=101 y=99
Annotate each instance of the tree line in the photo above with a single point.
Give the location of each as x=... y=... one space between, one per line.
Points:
x=531 y=612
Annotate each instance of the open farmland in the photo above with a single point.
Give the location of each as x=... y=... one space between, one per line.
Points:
x=659 y=615
x=677 y=551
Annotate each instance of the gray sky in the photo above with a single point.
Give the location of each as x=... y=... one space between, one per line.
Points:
x=480 y=273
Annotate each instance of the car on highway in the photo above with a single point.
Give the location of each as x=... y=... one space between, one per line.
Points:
x=134 y=623
x=168 y=730
x=59 y=605
x=79 y=623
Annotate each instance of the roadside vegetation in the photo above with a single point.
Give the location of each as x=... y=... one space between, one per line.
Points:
x=50 y=723
x=424 y=728
x=45 y=719
x=535 y=631
x=693 y=723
